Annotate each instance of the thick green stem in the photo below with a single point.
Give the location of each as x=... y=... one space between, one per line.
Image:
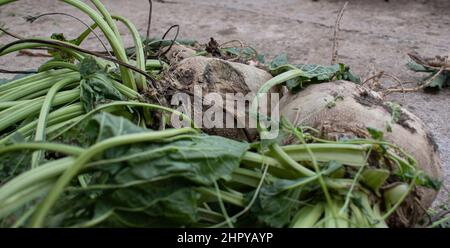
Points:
x=57 y=65
x=121 y=103
x=43 y=117
x=299 y=135
x=265 y=88
x=23 y=197
x=86 y=33
x=23 y=46
x=258 y=159
x=128 y=92
x=108 y=18
x=348 y=154
x=140 y=57
x=291 y=162
x=44 y=172
x=22 y=112
x=62 y=121
x=3 y=2
x=43 y=84
x=55 y=147
x=60 y=115
x=9 y=104
x=30 y=79
x=236 y=200
x=402 y=198
x=41 y=94
x=154 y=64
x=112 y=35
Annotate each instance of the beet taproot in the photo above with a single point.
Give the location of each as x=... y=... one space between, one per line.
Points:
x=233 y=82
x=342 y=109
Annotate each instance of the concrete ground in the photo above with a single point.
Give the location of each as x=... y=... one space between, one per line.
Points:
x=376 y=35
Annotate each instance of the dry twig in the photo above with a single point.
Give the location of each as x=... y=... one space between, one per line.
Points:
x=32 y=19
x=375 y=78
x=337 y=26
x=443 y=62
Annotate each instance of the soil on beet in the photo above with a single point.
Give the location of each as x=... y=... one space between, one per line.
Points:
x=375 y=36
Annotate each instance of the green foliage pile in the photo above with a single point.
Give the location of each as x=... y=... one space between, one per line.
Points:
x=79 y=148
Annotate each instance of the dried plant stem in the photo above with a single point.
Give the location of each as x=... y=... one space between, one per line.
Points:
x=427 y=83
x=337 y=26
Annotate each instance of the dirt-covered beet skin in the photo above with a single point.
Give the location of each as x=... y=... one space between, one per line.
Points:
x=215 y=75
x=343 y=109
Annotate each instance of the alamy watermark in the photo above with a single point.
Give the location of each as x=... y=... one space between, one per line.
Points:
x=229 y=110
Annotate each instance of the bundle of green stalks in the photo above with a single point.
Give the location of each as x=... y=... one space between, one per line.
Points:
x=85 y=143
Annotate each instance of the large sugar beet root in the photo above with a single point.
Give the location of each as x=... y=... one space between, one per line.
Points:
x=214 y=75
x=344 y=109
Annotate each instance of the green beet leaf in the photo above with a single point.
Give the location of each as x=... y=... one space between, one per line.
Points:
x=147 y=184
x=96 y=85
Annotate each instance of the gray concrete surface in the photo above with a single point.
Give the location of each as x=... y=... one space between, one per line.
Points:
x=376 y=35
